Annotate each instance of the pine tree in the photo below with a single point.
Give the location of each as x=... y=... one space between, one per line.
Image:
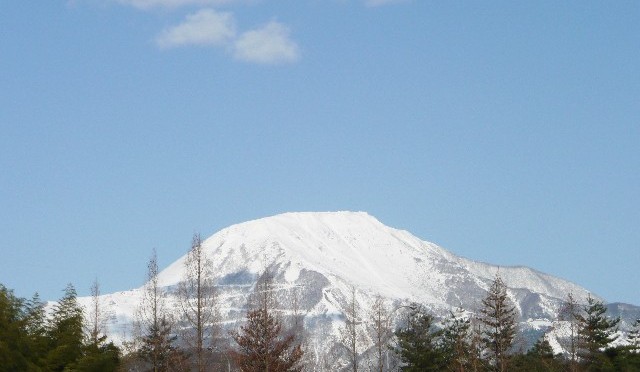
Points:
x=263 y=345
x=634 y=336
x=14 y=348
x=539 y=358
x=157 y=346
x=543 y=356
x=65 y=332
x=101 y=357
x=36 y=329
x=455 y=342
x=418 y=343
x=542 y=348
x=597 y=332
x=498 y=316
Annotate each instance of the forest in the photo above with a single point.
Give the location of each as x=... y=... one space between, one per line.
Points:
x=69 y=337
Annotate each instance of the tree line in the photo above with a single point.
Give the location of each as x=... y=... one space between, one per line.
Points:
x=70 y=338
x=487 y=341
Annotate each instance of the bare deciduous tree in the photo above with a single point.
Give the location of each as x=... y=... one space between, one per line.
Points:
x=349 y=335
x=297 y=313
x=96 y=316
x=570 y=312
x=198 y=301
x=156 y=323
x=381 y=330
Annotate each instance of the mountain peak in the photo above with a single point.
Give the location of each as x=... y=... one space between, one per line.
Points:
x=358 y=249
x=325 y=254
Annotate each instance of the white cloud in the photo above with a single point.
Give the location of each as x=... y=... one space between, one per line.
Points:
x=149 y=4
x=269 y=44
x=382 y=2
x=205 y=27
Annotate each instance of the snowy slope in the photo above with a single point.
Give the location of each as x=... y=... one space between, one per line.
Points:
x=324 y=254
x=359 y=249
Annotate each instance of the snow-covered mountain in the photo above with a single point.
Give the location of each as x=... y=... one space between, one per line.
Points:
x=323 y=255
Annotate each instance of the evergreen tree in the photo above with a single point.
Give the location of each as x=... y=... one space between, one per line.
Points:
x=634 y=336
x=455 y=342
x=65 y=332
x=100 y=356
x=418 y=343
x=36 y=329
x=597 y=332
x=542 y=356
x=263 y=346
x=14 y=346
x=498 y=316
x=538 y=359
x=157 y=347
x=542 y=348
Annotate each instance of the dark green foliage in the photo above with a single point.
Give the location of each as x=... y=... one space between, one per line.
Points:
x=65 y=332
x=539 y=358
x=596 y=332
x=158 y=347
x=100 y=357
x=634 y=336
x=622 y=359
x=541 y=349
x=531 y=363
x=455 y=342
x=14 y=343
x=36 y=329
x=29 y=341
x=498 y=316
x=418 y=347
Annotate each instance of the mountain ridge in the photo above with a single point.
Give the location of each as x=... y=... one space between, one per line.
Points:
x=325 y=254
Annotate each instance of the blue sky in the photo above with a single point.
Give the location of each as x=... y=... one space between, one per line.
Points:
x=507 y=132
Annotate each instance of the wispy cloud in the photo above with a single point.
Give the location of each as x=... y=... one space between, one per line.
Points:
x=205 y=27
x=149 y=4
x=270 y=44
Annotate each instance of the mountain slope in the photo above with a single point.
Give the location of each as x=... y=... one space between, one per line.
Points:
x=359 y=249
x=323 y=255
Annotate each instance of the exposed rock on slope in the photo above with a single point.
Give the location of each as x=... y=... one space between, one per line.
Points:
x=325 y=254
